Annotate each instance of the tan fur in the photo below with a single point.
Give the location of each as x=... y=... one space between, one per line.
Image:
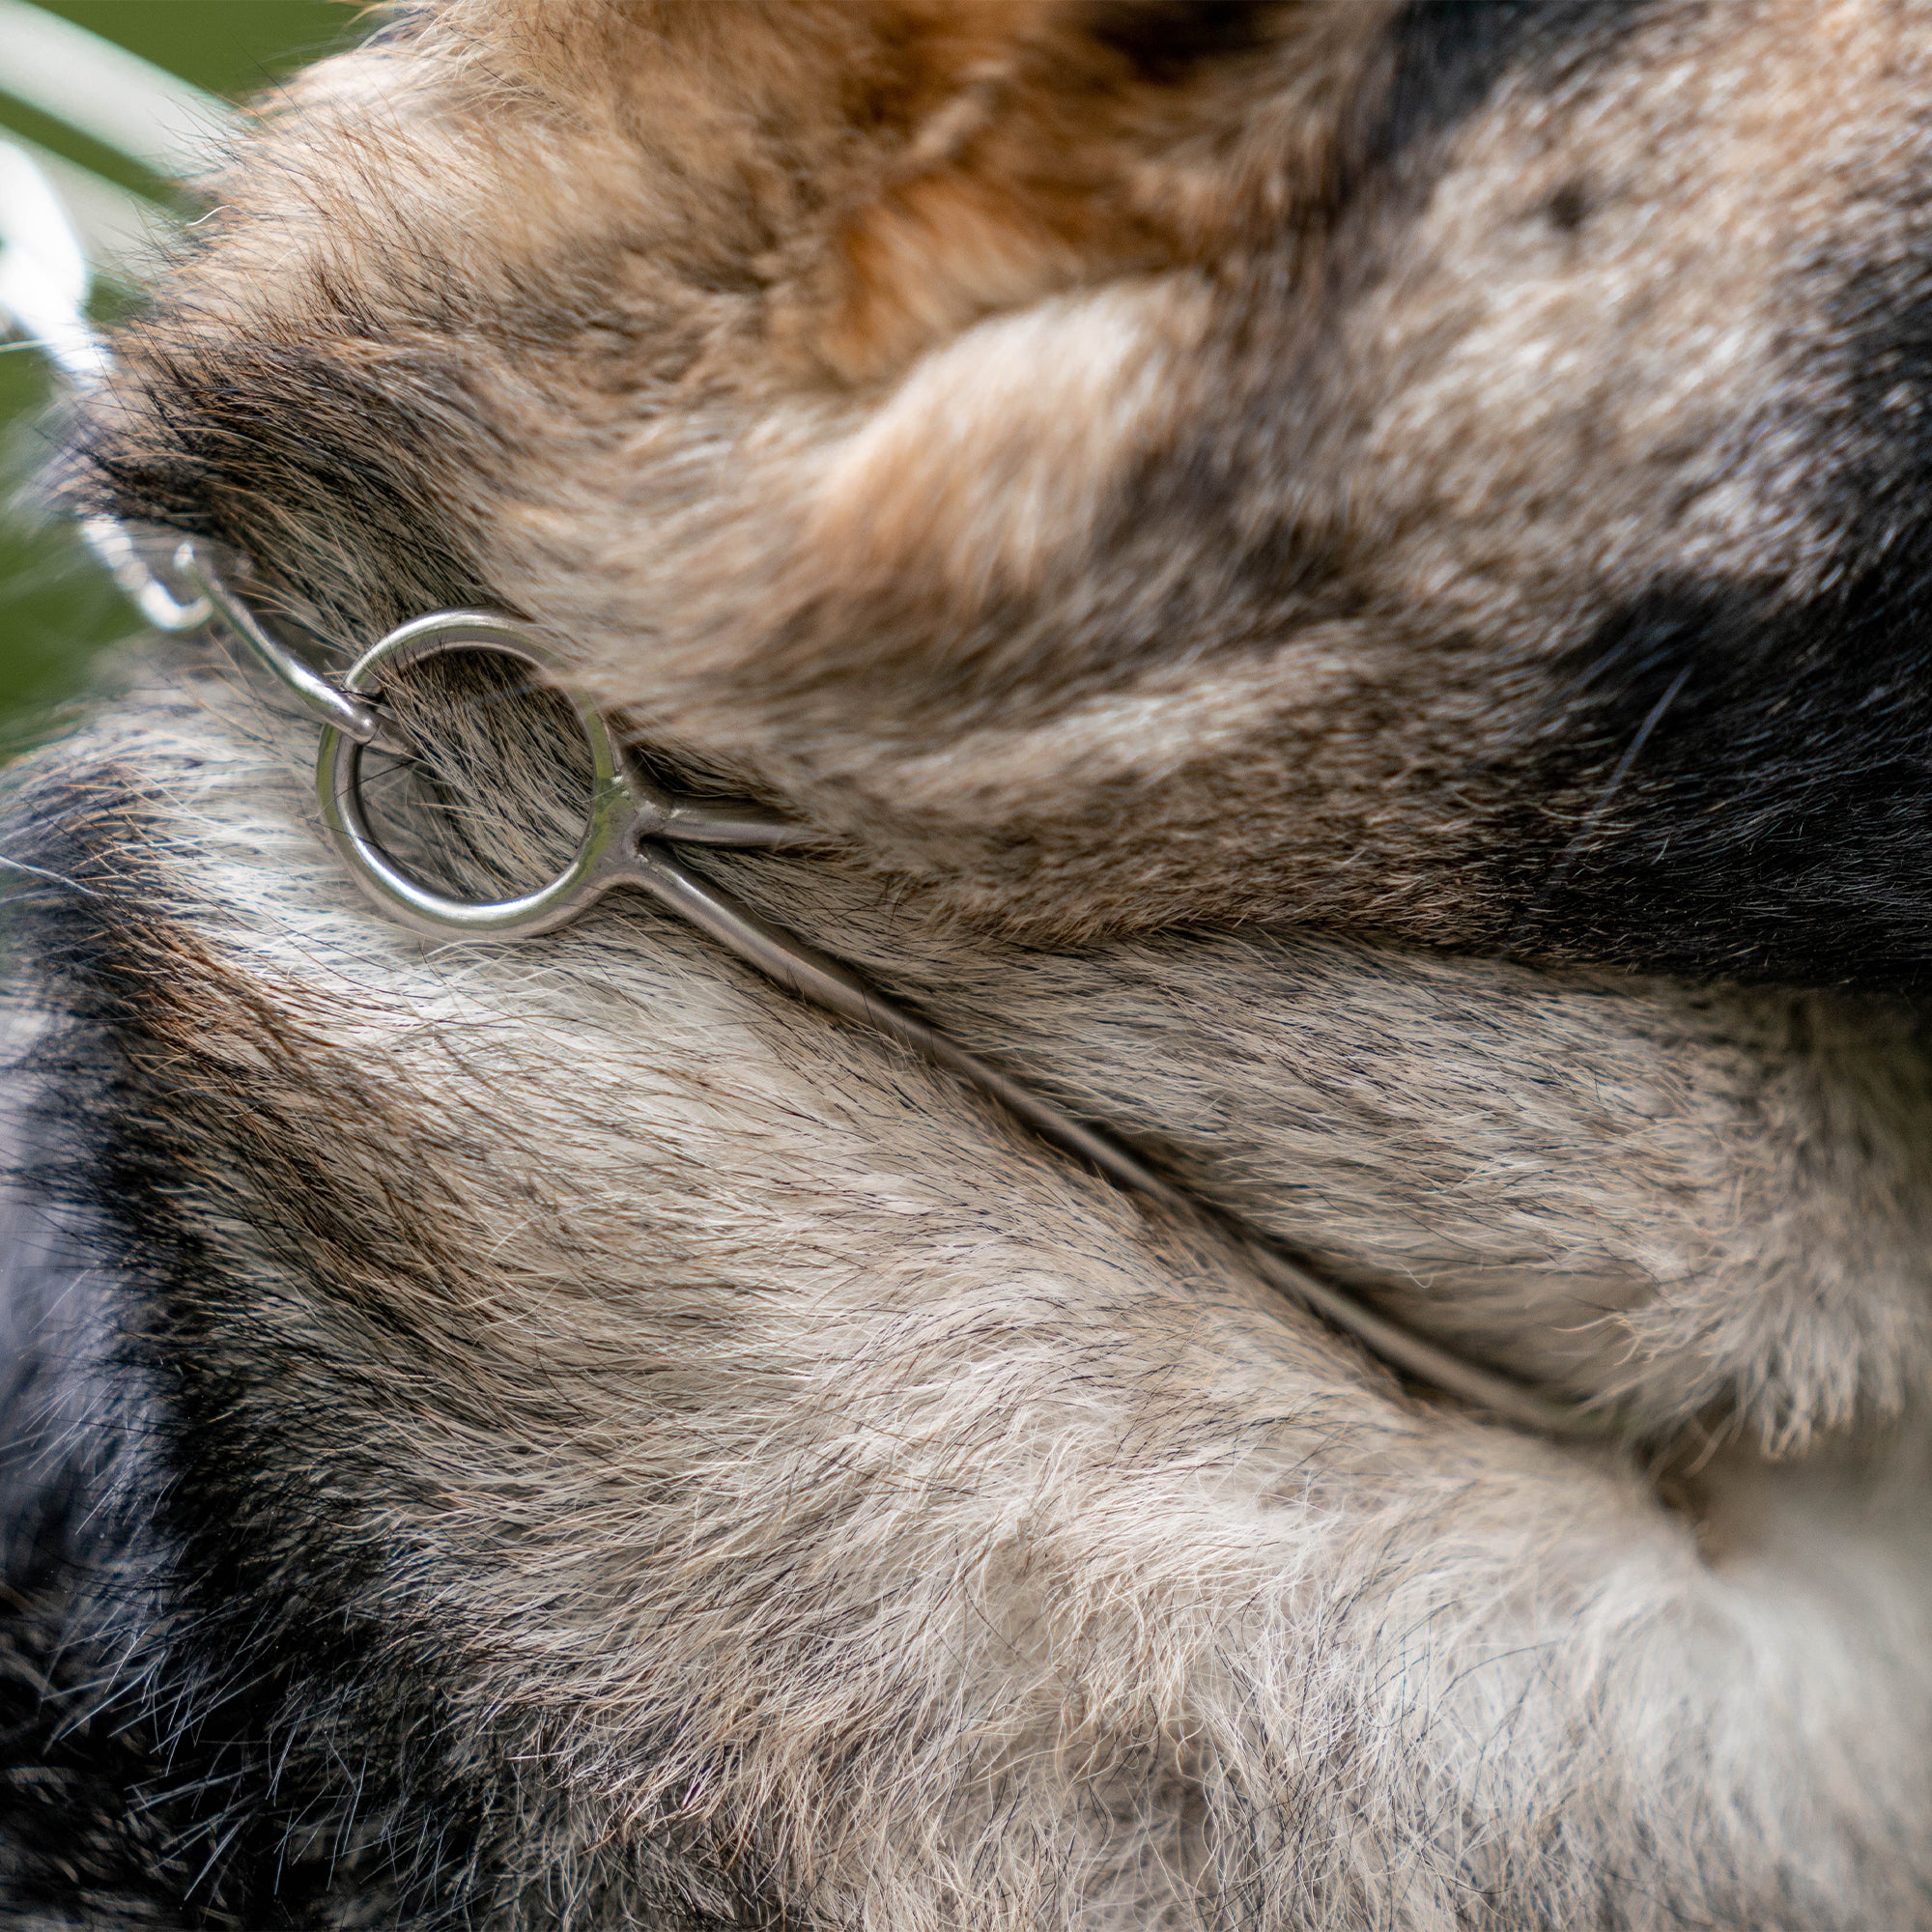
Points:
x=790 y=1462
x=1161 y=525
x=1487 y=486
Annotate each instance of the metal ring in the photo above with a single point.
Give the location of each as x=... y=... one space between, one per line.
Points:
x=600 y=861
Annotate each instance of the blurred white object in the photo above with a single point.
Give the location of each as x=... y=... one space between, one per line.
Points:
x=43 y=285
x=116 y=98
x=125 y=233
x=43 y=274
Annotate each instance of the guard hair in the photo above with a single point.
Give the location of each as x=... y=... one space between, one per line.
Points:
x=1344 y=585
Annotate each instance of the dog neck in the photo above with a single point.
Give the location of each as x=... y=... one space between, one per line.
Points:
x=1674 y=1200
x=1574 y=1178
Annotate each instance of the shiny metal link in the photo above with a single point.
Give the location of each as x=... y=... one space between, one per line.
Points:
x=327 y=704
x=44 y=292
x=624 y=806
x=598 y=863
x=114 y=544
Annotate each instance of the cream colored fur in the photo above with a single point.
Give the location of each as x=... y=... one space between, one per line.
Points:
x=797 y=1461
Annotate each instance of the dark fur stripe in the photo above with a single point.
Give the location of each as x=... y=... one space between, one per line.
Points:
x=1449 y=55
x=1735 y=794
x=1166 y=39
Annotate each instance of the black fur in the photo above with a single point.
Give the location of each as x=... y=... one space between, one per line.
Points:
x=1735 y=793
x=165 y=1618
x=1166 y=39
x=218 y=1715
x=1449 y=56
x=1736 y=785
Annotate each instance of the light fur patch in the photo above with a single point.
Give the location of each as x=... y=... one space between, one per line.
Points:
x=993 y=458
x=891 y=1491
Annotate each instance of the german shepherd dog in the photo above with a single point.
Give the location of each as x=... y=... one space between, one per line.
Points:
x=1349 y=584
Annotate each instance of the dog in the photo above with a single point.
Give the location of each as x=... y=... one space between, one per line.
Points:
x=1345 y=583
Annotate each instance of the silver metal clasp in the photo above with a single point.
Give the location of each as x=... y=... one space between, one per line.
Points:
x=336 y=709
x=625 y=809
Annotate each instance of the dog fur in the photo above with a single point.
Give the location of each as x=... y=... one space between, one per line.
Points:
x=1344 y=582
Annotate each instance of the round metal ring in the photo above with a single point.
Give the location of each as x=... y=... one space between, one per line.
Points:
x=601 y=853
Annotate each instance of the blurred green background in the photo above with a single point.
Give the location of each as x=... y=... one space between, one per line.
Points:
x=55 y=607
